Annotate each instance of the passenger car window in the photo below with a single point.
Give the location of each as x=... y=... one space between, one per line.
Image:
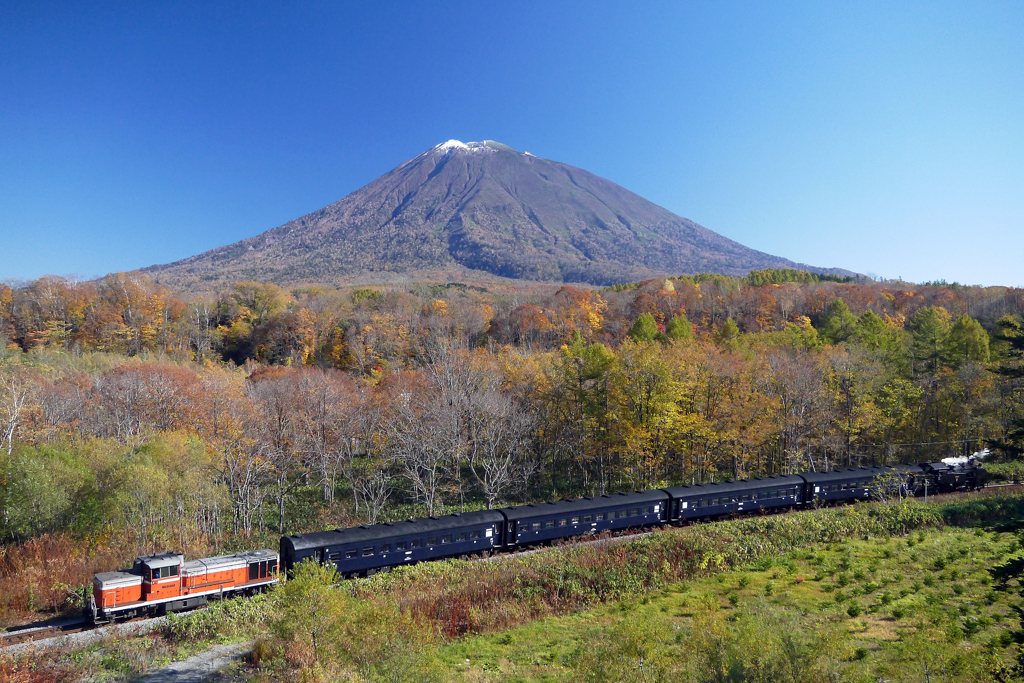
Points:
x=400 y=545
x=416 y=543
x=550 y=524
x=562 y=522
x=575 y=520
x=461 y=537
x=446 y=539
x=368 y=551
x=587 y=518
x=535 y=526
x=600 y=517
x=432 y=540
x=474 y=534
x=386 y=548
x=350 y=553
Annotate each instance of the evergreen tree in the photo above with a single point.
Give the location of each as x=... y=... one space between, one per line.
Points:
x=871 y=330
x=838 y=323
x=1009 y=338
x=966 y=341
x=644 y=329
x=728 y=335
x=679 y=328
x=929 y=327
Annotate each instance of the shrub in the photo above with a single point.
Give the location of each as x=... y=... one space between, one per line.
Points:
x=854 y=610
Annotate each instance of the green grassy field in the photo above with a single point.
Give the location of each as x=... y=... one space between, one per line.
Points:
x=919 y=607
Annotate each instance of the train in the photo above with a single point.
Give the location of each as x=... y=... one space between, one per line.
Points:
x=367 y=549
x=162 y=583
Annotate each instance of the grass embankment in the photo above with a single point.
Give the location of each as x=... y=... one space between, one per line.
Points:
x=737 y=597
x=919 y=607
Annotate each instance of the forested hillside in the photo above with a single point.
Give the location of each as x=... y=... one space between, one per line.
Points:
x=131 y=420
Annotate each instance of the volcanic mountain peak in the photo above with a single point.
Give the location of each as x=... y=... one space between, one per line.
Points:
x=485 y=146
x=469 y=209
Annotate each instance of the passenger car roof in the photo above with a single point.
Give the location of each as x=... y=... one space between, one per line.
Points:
x=377 y=532
x=841 y=475
x=736 y=485
x=558 y=507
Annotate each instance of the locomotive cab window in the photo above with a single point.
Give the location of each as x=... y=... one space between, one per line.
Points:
x=165 y=572
x=258 y=570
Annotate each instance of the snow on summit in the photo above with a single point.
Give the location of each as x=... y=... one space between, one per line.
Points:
x=485 y=146
x=451 y=144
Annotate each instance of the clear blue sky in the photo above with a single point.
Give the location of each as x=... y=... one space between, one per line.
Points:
x=887 y=138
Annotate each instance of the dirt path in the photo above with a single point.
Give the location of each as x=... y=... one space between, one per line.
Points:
x=201 y=667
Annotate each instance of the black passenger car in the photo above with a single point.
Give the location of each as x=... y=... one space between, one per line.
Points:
x=743 y=495
x=560 y=519
x=842 y=485
x=366 y=548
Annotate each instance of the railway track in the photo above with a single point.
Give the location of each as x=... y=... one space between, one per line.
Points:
x=37 y=631
x=45 y=630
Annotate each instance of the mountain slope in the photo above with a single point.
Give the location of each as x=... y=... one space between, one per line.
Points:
x=477 y=207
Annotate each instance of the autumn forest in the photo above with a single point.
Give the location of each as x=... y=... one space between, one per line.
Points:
x=211 y=423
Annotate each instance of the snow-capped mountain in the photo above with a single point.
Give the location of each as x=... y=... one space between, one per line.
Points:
x=482 y=207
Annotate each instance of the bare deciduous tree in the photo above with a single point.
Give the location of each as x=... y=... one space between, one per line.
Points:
x=499 y=432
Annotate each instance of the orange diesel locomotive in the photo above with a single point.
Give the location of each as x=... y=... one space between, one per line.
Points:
x=158 y=584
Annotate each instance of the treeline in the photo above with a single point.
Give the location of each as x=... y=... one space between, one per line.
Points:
x=126 y=411
x=360 y=330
